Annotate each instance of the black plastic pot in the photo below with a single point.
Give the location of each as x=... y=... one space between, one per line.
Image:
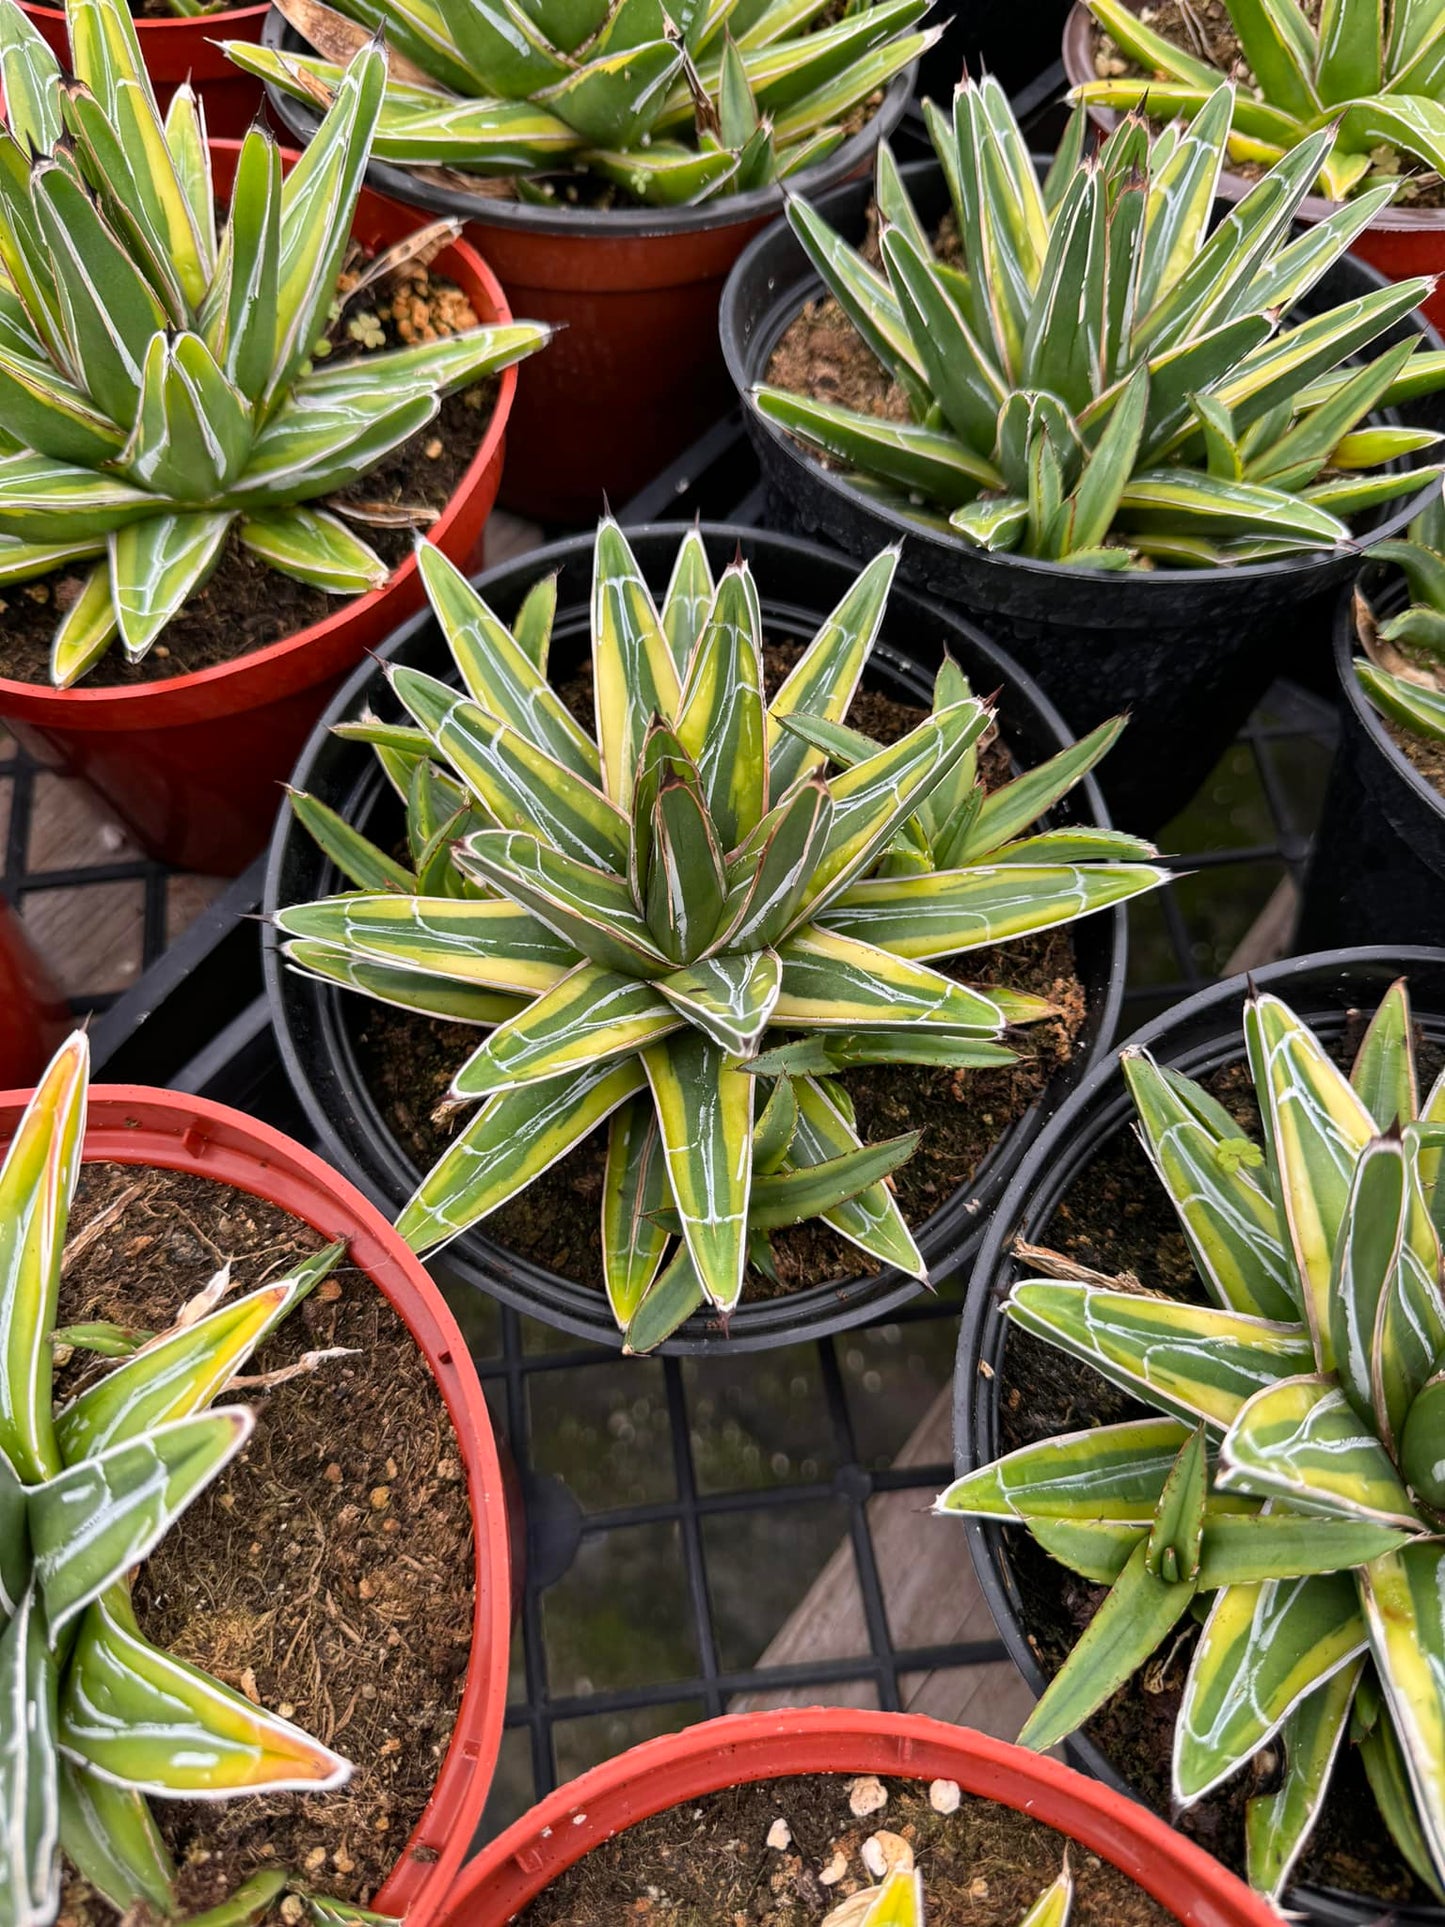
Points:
x=1377 y=870
x=636 y=374
x=1188 y=651
x=1196 y=1037
x=1015 y=44
x=315 y=1023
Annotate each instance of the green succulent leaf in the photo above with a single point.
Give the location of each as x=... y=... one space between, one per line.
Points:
x=29 y=1771
x=1402 y=1600
x=705 y=1112
x=110 y=1836
x=1301 y=1440
x=634 y=1190
x=1278 y=1824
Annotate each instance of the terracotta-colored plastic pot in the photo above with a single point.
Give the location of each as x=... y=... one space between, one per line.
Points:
x=823 y=1739
x=1400 y=242
x=131 y=1124
x=34 y=1016
x=178 y=48
x=193 y=764
x=638 y=372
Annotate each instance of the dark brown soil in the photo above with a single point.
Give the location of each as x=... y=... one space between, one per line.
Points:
x=1425 y=756
x=245 y=605
x=1116 y=1218
x=1203 y=28
x=408 y=1061
x=328 y=1571
x=708 y=1863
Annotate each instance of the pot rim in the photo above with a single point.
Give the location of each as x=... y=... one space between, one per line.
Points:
x=794 y=294
x=748 y=1747
x=116 y=708
x=1363 y=710
x=172 y=1130
x=972 y=1447
x=590 y=224
x=1232 y=187
x=793 y=1317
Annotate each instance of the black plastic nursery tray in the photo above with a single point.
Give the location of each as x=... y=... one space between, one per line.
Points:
x=679 y=1513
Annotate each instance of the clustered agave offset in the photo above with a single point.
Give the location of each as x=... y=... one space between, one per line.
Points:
x=157 y=384
x=1404 y=671
x=1292 y=1493
x=1098 y=378
x=1369 y=74
x=95 y=1719
x=671 y=107
x=632 y=913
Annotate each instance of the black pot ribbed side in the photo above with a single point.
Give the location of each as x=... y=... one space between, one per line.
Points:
x=1187 y=652
x=1197 y=1037
x=1377 y=870
x=799 y=584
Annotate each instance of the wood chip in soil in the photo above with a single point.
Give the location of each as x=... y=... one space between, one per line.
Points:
x=328 y=1572
x=1116 y=1218
x=708 y=1863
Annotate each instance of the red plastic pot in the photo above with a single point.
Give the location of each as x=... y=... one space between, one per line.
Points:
x=1399 y=243
x=34 y=1016
x=820 y=1739
x=180 y=48
x=193 y=764
x=637 y=373
x=131 y=1124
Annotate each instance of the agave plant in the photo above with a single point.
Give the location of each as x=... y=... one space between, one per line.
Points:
x=157 y=384
x=1098 y=379
x=1290 y=1492
x=670 y=108
x=96 y=1718
x=631 y=913
x=1369 y=74
x=1403 y=672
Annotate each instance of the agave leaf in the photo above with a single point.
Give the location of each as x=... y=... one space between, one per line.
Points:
x=521 y=786
x=833 y=982
x=499 y=674
x=127 y=1496
x=937 y=466
x=1263 y=1650
x=156 y=566
x=870 y=1218
x=1385 y=1767
x=673 y=1299
x=1315 y=1127
x=634 y=1189
x=776 y=864
x=176 y=1374
x=1180 y=499
x=1138 y=1613
x=1383 y=1072
x=958 y=371
x=29 y=1793
x=1052 y=1908
x=513 y=1138
x=825 y=677
x=788 y=1197
x=864 y=296
x=532 y=625
x=1177 y=1533
x=1232 y=1226
x=144 y=1719
x=686 y=887
x=85 y=631
x=825 y=1054
x=1301 y=1440
x=314 y=548
x=705 y=1111
x=29 y=78
x=720 y=720
x=591 y=1016
x=1247 y=1548
x=689 y=597
x=1189 y=1360
x=587 y=908
x=14 y=1542
x=1149 y=49
x=1403 y=1606
x=1278 y=1824
x=37 y=1182
x=45 y=412
x=948 y=911
x=110 y=1837
x=730 y=997
x=487 y=945
x=636 y=676
x=773 y=1132
x=1299 y=455
x=1110 y=1472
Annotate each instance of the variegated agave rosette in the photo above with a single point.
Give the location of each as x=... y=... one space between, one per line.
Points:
x=686 y=924
x=1292 y=1493
x=1099 y=378
x=1371 y=73
x=94 y=1720
x=673 y=105
x=160 y=382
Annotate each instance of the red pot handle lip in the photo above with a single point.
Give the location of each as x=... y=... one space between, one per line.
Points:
x=139 y=1124
x=724 y=1752
x=19 y=697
